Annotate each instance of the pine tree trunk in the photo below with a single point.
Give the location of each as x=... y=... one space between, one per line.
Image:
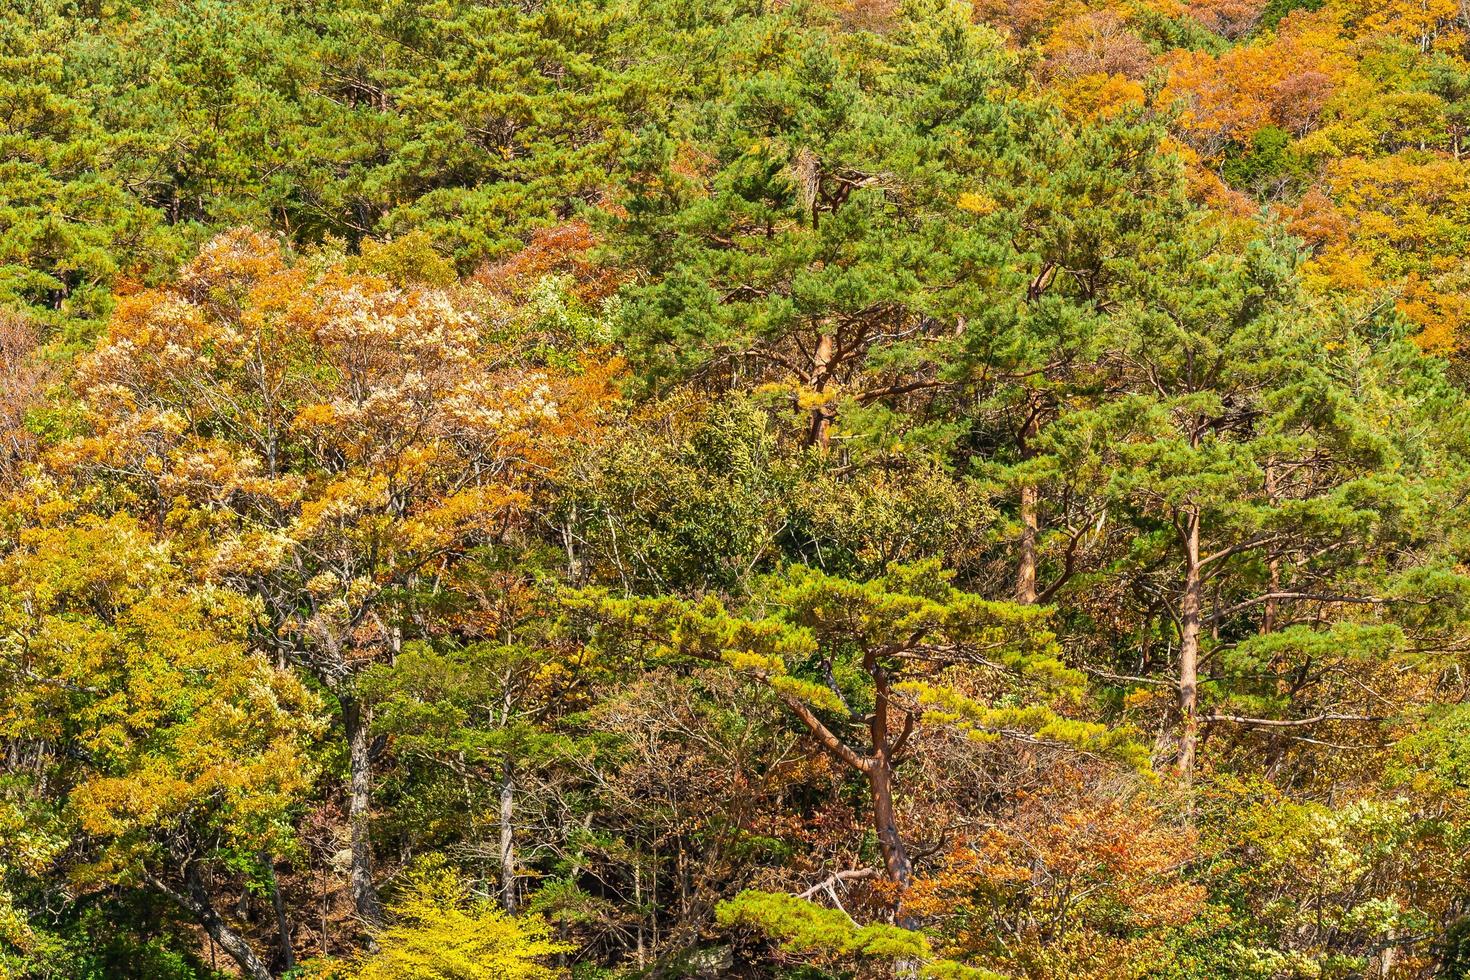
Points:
x=819 y=434
x=1026 y=566
x=1273 y=564
x=1189 y=634
x=359 y=803
x=885 y=824
x=1030 y=518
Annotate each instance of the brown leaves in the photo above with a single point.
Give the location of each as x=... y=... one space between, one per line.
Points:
x=24 y=377
x=560 y=250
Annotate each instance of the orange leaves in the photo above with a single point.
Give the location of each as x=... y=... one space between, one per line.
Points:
x=560 y=250
x=231 y=264
x=1084 y=891
x=1284 y=81
x=1316 y=220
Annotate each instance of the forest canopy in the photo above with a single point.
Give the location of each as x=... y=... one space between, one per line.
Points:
x=811 y=490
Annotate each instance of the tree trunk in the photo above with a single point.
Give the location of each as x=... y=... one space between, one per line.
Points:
x=885 y=824
x=283 y=921
x=1026 y=567
x=1030 y=519
x=819 y=433
x=195 y=900
x=507 y=838
x=1273 y=564
x=1189 y=633
x=359 y=803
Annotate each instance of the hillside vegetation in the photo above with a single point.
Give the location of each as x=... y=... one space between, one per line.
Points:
x=814 y=490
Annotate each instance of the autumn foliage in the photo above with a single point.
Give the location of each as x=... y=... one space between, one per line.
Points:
x=848 y=490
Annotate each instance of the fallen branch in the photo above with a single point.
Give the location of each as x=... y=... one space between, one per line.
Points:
x=1289 y=722
x=836 y=878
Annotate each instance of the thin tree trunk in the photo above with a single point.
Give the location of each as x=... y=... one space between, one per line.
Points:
x=359 y=803
x=1273 y=564
x=1189 y=634
x=283 y=921
x=507 y=838
x=638 y=900
x=1030 y=518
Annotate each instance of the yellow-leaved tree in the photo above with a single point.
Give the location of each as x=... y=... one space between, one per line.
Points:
x=327 y=441
x=174 y=754
x=443 y=932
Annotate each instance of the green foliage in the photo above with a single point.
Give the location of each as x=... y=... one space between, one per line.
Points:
x=1267 y=166
x=840 y=489
x=1276 y=10
x=828 y=935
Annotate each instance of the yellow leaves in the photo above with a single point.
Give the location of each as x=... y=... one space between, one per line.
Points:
x=441 y=932
x=107 y=807
x=172 y=716
x=1146 y=697
x=1406 y=213
x=1088 y=98
x=410 y=258
x=1421 y=21
x=323 y=584
x=811 y=693
x=808 y=399
x=474 y=507
x=318 y=416
x=749 y=660
x=977 y=202
x=338 y=501
x=251 y=553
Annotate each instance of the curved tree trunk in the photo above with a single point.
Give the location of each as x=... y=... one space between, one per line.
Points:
x=194 y=899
